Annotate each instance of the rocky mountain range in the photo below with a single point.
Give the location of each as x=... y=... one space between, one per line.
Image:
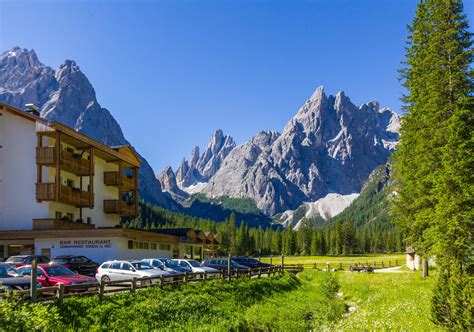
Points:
x=66 y=95
x=201 y=168
x=329 y=147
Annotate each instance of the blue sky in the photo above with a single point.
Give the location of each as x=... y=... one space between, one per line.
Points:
x=172 y=72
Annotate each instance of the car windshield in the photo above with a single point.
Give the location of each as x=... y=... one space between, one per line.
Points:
x=56 y=271
x=141 y=266
x=60 y=260
x=171 y=264
x=15 y=259
x=194 y=263
x=8 y=272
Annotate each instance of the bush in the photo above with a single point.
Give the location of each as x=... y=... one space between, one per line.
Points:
x=19 y=315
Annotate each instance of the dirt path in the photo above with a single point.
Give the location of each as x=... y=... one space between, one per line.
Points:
x=395 y=269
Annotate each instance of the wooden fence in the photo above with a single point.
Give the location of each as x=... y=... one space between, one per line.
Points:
x=61 y=291
x=340 y=266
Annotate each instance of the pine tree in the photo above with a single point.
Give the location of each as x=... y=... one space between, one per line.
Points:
x=433 y=164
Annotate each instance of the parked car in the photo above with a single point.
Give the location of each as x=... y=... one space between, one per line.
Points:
x=171 y=264
x=53 y=274
x=127 y=270
x=250 y=262
x=10 y=279
x=221 y=264
x=26 y=259
x=195 y=266
x=158 y=264
x=78 y=264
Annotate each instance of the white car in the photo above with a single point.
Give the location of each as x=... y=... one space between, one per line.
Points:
x=127 y=270
x=195 y=266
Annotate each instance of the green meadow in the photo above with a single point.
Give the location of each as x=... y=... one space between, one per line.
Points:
x=310 y=300
x=334 y=260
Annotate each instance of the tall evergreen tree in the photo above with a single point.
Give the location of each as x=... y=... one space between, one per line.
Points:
x=434 y=161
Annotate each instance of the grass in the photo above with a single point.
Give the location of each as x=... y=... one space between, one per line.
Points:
x=303 y=309
x=378 y=258
x=387 y=301
x=382 y=301
x=214 y=305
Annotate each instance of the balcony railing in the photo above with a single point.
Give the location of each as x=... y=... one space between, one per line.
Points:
x=68 y=195
x=126 y=209
x=51 y=224
x=70 y=162
x=111 y=179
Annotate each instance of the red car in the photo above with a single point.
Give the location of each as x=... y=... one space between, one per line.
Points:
x=53 y=274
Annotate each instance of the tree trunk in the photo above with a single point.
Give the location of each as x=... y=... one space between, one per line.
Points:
x=424 y=267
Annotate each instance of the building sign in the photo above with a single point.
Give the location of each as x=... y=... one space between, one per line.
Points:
x=85 y=244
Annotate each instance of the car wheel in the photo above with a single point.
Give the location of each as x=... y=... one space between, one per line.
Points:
x=105 y=279
x=145 y=283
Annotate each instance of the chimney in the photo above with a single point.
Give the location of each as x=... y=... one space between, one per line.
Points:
x=32 y=109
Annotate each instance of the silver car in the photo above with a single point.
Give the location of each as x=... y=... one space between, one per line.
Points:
x=127 y=270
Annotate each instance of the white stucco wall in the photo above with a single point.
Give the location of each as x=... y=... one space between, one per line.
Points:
x=18 y=204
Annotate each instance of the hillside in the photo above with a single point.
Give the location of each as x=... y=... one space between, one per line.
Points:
x=372 y=207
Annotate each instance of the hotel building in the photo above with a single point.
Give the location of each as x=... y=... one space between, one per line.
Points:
x=62 y=192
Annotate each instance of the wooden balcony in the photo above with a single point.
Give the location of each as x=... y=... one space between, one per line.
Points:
x=69 y=162
x=112 y=179
x=126 y=209
x=67 y=195
x=59 y=224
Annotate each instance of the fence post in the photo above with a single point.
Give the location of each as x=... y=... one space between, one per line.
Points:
x=250 y=273
x=396 y=262
x=271 y=259
x=60 y=294
x=382 y=264
x=161 y=281
x=228 y=267
x=101 y=290
x=389 y=263
x=259 y=272
x=134 y=284
x=205 y=275
x=282 y=261
x=340 y=265
x=185 y=277
x=34 y=280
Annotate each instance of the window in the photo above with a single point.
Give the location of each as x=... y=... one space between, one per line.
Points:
x=115 y=266
x=89 y=220
x=127 y=266
x=58 y=215
x=141 y=245
x=105 y=266
x=26 y=271
x=45 y=252
x=70 y=216
x=165 y=247
x=79 y=259
x=70 y=183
